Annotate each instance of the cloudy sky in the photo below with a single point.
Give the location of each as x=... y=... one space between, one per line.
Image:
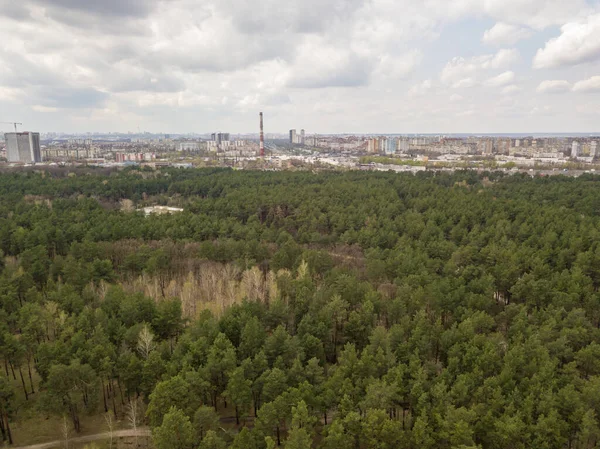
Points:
x=329 y=66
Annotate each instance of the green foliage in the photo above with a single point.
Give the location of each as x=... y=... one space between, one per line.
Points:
x=205 y=419
x=239 y=392
x=245 y=440
x=442 y=310
x=69 y=389
x=336 y=437
x=298 y=439
x=174 y=392
x=212 y=441
x=175 y=432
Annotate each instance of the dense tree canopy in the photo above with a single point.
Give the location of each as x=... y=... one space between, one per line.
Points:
x=332 y=310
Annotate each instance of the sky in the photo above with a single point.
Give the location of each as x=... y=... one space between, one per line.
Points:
x=328 y=66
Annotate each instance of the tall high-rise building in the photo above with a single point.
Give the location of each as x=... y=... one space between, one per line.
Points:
x=292 y=136
x=501 y=146
x=302 y=136
x=219 y=138
x=374 y=145
x=23 y=147
x=388 y=145
x=485 y=146
x=403 y=144
x=593 y=149
x=575 y=149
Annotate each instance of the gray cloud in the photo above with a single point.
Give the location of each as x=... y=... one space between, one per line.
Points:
x=67 y=98
x=14 y=9
x=17 y=70
x=146 y=82
x=342 y=76
x=110 y=8
x=298 y=16
x=138 y=60
x=232 y=52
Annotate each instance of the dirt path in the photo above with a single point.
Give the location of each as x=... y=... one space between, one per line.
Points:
x=142 y=432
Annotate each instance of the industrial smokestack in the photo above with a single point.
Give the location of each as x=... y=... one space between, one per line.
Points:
x=262 y=137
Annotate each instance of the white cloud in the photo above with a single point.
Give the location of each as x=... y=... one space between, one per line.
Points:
x=587 y=109
x=578 y=42
x=512 y=89
x=537 y=14
x=589 y=85
x=398 y=66
x=184 y=65
x=553 y=86
x=420 y=89
x=321 y=64
x=464 y=83
x=504 y=58
x=500 y=80
x=38 y=108
x=466 y=113
x=543 y=110
x=460 y=72
x=505 y=34
x=9 y=94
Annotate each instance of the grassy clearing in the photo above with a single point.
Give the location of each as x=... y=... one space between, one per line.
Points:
x=41 y=429
x=30 y=426
x=118 y=443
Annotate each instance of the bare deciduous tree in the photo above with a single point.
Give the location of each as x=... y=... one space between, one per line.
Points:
x=134 y=413
x=145 y=343
x=111 y=425
x=127 y=205
x=65 y=432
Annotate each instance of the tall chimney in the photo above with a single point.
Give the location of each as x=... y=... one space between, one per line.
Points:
x=262 y=137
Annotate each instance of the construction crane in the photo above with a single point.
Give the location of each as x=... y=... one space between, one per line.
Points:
x=12 y=123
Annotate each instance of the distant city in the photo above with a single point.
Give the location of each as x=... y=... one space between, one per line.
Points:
x=299 y=148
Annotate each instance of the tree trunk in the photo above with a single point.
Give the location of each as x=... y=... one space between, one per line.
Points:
x=256 y=399
x=162 y=283
x=30 y=376
x=12 y=368
x=6 y=367
x=114 y=404
x=278 y=437
x=104 y=395
x=2 y=429
x=23 y=382
x=120 y=390
x=75 y=418
x=8 y=432
x=237 y=416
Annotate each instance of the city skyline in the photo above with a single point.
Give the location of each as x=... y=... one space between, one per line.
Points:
x=331 y=67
